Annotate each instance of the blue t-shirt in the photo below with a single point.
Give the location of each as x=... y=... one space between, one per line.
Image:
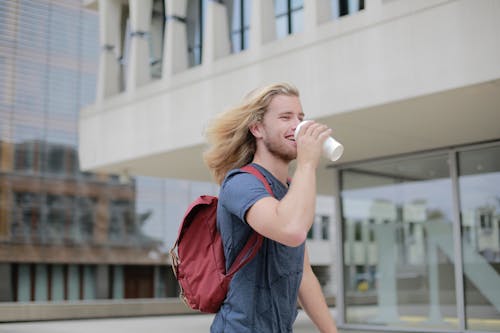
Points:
x=262 y=296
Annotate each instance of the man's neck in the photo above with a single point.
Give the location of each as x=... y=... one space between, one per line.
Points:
x=277 y=167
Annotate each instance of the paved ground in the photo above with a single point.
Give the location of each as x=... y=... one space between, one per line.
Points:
x=160 y=324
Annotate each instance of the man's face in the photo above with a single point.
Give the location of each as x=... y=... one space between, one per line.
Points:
x=282 y=117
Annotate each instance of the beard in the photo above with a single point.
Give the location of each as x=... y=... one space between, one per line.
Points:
x=280 y=150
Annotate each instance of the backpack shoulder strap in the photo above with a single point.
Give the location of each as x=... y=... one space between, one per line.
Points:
x=254 y=242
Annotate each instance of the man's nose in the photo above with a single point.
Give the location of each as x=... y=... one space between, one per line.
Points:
x=296 y=124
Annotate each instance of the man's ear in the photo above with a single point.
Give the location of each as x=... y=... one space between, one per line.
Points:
x=256 y=130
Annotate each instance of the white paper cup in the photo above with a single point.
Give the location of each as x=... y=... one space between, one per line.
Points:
x=332 y=149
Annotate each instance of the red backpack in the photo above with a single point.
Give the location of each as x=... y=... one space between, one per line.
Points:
x=199 y=264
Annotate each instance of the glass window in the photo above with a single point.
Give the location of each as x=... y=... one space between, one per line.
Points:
x=310 y=232
x=479 y=179
x=325 y=227
x=73 y=282
x=24 y=276
x=118 y=285
x=120 y=224
x=41 y=292
x=89 y=282
x=26 y=221
x=408 y=276
x=84 y=219
x=57 y=282
x=155 y=39
x=281 y=26
x=240 y=24
x=297 y=21
x=24 y=156
x=55 y=159
x=289 y=17
x=195 y=15
x=346 y=7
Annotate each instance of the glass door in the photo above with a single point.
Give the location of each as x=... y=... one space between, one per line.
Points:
x=397 y=219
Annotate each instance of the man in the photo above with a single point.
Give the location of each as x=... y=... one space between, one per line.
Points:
x=263 y=295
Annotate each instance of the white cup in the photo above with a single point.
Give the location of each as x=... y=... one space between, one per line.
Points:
x=332 y=149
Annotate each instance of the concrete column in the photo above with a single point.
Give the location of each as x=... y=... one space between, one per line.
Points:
x=108 y=79
x=262 y=23
x=175 y=53
x=316 y=12
x=216 y=42
x=138 y=62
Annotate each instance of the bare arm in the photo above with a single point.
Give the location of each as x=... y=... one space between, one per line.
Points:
x=287 y=221
x=312 y=300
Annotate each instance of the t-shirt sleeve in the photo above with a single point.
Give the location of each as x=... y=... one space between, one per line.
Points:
x=241 y=191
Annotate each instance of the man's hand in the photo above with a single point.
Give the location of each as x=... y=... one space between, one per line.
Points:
x=310 y=141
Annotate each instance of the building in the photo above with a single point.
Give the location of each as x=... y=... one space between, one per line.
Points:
x=77 y=244
x=71 y=242
x=411 y=88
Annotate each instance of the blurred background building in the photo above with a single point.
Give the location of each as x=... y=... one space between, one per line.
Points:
x=411 y=88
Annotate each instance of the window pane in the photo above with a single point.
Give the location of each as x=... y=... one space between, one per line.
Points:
x=73 y=283
x=194 y=31
x=236 y=41
x=398 y=246
x=236 y=17
x=325 y=227
x=280 y=7
x=343 y=7
x=246 y=38
x=298 y=21
x=24 y=283
x=296 y=4
x=480 y=204
x=247 y=10
x=41 y=282
x=57 y=283
x=281 y=27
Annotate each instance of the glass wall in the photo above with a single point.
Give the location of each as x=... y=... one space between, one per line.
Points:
x=400 y=256
x=398 y=244
x=479 y=181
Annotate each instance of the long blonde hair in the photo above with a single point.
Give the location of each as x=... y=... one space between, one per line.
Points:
x=231 y=144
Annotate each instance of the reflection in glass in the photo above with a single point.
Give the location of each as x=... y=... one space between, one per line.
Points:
x=398 y=246
x=480 y=210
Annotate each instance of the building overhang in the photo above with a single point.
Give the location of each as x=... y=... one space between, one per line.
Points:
x=445 y=119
